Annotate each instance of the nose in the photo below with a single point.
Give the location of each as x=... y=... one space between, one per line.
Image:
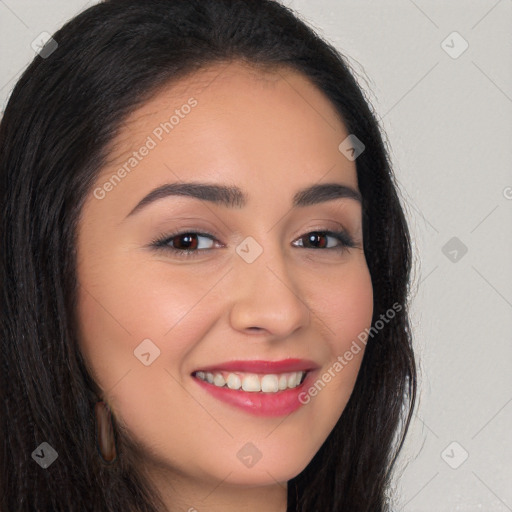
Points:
x=265 y=296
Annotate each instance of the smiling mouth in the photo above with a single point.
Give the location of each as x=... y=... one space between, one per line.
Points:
x=253 y=382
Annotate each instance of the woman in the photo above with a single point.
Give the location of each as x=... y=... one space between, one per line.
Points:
x=143 y=370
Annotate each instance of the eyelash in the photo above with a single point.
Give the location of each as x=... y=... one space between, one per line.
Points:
x=161 y=243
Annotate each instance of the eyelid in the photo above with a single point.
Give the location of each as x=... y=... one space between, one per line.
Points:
x=343 y=236
x=160 y=241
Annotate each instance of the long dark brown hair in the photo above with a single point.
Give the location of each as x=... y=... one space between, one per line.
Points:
x=64 y=111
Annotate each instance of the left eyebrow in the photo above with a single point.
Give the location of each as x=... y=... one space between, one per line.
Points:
x=234 y=197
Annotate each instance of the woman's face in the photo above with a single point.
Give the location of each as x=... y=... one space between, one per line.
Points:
x=259 y=285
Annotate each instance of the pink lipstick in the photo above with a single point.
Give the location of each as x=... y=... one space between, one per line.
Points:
x=261 y=388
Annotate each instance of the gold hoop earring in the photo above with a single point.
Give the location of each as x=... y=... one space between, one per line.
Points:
x=105 y=439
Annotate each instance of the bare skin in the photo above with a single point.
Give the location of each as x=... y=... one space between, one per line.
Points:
x=270 y=134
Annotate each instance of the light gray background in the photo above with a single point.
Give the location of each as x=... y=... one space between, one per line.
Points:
x=448 y=124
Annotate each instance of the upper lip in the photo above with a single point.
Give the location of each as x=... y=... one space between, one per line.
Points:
x=260 y=366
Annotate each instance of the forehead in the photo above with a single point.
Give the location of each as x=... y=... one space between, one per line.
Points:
x=231 y=83
x=252 y=97
x=268 y=131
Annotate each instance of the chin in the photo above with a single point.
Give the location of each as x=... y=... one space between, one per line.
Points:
x=280 y=467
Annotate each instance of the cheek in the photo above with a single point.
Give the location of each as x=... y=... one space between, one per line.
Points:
x=116 y=315
x=124 y=304
x=345 y=308
x=356 y=306
x=345 y=304
x=355 y=311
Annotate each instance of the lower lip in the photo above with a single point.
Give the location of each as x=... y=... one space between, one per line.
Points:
x=280 y=403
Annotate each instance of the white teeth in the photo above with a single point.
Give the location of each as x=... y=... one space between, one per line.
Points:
x=218 y=380
x=268 y=383
x=283 y=382
x=251 y=383
x=234 y=381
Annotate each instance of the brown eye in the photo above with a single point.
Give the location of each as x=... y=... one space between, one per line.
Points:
x=317 y=239
x=320 y=240
x=185 y=242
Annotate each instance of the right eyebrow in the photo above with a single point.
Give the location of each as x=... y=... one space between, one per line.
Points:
x=234 y=197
